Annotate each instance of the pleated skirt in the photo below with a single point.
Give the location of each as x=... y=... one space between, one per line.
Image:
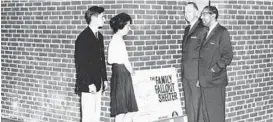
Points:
x=122 y=92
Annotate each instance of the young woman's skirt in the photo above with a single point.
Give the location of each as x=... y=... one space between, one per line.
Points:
x=122 y=92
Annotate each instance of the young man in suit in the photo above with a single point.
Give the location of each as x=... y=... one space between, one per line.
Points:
x=215 y=54
x=90 y=65
x=191 y=44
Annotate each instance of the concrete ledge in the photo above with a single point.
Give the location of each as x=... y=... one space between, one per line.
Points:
x=175 y=119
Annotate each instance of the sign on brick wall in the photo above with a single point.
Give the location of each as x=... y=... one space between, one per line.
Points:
x=157 y=94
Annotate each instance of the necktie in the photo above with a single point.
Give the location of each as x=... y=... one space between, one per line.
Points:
x=207 y=33
x=205 y=38
x=97 y=35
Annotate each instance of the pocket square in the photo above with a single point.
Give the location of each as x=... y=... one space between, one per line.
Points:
x=211 y=42
x=193 y=37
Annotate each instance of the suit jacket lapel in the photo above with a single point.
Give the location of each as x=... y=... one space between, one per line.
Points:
x=192 y=29
x=94 y=39
x=211 y=34
x=185 y=34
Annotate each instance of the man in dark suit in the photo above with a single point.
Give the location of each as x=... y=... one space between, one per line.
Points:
x=90 y=65
x=215 y=54
x=191 y=44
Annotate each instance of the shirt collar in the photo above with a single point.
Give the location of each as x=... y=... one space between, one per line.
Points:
x=213 y=26
x=193 y=22
x=93 y=29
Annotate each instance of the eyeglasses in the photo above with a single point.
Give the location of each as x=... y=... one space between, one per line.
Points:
x=205 y=13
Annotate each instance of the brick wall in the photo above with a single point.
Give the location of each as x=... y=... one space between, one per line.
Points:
x=250 y=91
x=38 y=73
x=37 y=47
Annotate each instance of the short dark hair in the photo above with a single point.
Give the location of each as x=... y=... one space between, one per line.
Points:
x=119 y=21
x=94 y=10
x=213 y=10
x=193 y=4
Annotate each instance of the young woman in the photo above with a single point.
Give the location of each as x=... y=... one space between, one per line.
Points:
x=123 y=102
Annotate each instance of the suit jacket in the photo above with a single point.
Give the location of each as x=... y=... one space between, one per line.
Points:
x=191 y=44
x=89 y=61
x=216 y=52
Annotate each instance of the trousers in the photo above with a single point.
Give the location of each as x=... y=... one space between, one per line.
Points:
x=91 y=106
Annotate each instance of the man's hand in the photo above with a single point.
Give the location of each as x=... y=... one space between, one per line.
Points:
x=197 y=84
x=212 y=70
x=92 y=88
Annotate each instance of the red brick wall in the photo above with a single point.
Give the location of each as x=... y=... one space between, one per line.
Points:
x=37 y=47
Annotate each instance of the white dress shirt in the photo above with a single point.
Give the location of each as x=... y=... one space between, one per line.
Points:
x=192 y=23
x=117 y=52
